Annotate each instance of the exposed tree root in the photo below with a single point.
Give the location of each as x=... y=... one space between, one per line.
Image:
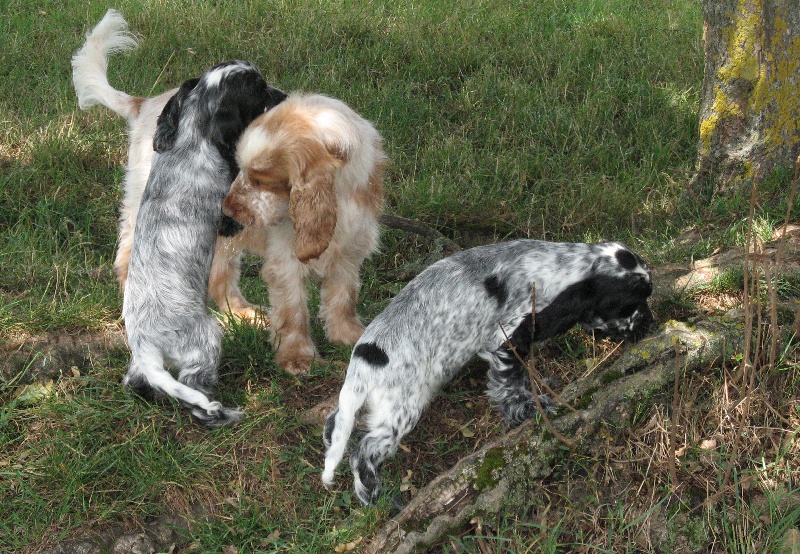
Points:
x=501 y=477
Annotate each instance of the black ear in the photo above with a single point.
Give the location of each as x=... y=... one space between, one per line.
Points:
x=227 y=123
x=168 y=121
x=573 y=305
x=273 y=97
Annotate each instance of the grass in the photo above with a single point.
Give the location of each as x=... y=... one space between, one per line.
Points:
x=560 y=119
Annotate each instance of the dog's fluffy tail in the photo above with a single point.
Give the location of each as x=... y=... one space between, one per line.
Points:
x=90 y=64
x=339 y=425
x=147 y=375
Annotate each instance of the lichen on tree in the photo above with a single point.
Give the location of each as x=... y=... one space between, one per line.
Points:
x=750 y=114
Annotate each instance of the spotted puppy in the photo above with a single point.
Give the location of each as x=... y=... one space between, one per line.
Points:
x=164 y=304
x=467 y=305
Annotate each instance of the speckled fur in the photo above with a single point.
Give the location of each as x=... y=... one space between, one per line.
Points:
x=164 y=305
x=467 y=305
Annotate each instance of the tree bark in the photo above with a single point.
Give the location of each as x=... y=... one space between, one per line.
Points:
x=749 y=113
x=502 y=477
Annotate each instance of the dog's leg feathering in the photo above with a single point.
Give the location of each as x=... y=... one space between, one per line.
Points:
x=223 y=281
x=509 y=386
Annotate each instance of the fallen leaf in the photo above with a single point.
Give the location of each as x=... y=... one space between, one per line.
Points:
x=708 y=444
x=34 y=393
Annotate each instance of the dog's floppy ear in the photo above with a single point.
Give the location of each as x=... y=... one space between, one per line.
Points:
x=168 y=121
x=573 y=305
x=227 y=124
x=312 y=204
x=250 y=97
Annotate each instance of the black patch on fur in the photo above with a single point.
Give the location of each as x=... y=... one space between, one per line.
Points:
x=371 y=353
x=496 y=289
x=201 y=381
x=369 y=479
x=141 y=387
x=626 y=259
x=169 y=120
x=330 y=424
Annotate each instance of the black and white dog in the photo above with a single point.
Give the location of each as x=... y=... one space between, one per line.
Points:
x=467 y=305
x=164 y=307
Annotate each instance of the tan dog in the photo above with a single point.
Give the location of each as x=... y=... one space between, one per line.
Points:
x=311 y=182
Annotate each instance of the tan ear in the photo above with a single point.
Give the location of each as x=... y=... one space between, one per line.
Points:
x=274 y=180
x=313 y=207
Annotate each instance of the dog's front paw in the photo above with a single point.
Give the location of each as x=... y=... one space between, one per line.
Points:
x=547 y=404
x=254 y=315
x=517 y=412
x=299 y=365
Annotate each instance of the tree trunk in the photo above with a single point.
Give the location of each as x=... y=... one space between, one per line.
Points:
x=750 y=110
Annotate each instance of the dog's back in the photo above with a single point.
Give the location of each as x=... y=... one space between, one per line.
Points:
x=175 y=236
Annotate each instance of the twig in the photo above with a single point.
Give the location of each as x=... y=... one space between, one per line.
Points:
x=673 y=425
x=717 y=495
x=748 y=369
x=419 y=228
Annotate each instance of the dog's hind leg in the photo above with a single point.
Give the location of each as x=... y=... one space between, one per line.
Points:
x=387 y=427
x=509 y=386
x=366 y=461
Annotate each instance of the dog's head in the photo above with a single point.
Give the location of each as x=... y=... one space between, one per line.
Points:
x=611 y=301
x=217 y=107
x=288 y=169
